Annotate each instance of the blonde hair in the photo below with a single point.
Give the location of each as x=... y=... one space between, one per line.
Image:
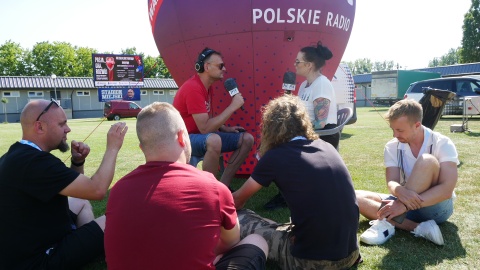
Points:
x=283 y=119
x=158 y=124
x=405 y=107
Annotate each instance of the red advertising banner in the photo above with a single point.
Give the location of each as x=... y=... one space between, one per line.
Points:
x=117 y=70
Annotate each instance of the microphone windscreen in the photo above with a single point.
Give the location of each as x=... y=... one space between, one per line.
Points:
x=289 y=81
x=231 y=86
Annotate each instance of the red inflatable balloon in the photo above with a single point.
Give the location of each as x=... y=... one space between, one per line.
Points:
x=259 y=41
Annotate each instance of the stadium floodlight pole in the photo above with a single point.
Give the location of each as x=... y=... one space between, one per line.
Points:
x=54 y=77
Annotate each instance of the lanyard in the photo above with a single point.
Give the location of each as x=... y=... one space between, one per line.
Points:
x=30 y=143
x=298 y=138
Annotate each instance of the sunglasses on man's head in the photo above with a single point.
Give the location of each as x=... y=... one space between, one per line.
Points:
x=53 y=101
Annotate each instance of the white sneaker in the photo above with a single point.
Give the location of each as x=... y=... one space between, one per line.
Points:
x=379 y=233
x=430 y=231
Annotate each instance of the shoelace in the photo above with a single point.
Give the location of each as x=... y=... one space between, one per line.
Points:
x=375 y=222
x=378 y=224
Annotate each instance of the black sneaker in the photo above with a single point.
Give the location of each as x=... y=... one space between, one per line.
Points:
x=278 y=201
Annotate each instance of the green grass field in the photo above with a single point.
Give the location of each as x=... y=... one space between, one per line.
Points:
x=362 y=149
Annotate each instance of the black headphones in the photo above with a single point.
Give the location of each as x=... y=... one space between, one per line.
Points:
x=199 y=65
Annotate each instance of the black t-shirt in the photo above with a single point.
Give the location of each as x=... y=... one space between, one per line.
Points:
x=319 y=192
x=34 y=215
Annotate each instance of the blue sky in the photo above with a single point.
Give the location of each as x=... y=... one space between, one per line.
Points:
x=410 y=32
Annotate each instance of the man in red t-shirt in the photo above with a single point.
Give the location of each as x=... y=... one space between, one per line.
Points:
x=209 y=135
x=168 y=215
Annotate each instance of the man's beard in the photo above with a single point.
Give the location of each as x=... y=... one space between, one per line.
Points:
x=63 y=146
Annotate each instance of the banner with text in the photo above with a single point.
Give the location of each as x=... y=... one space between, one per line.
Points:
x=107 y=94
x=117 y=70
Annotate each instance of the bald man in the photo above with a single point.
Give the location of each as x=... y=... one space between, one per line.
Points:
x=47 y=222
x=175 y=217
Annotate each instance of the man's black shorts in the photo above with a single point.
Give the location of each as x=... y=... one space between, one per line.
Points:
x=246 y=256
x=76 y=249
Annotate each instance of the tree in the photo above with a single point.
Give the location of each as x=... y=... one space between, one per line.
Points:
x=12 y=59
x=131 y=51
x=83 y=62
x=57 y=58
x=471 y=36
x=434 y=63
x=155 y=68
x=5 y=101
x=365 y=66
x=385 y=65
x=63 y=59
x=163 y=68
x=41 y=59
x=451 y=58
x=360 y=66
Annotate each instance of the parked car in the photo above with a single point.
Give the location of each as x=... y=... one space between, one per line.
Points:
x=116 y=109
x=461 y=86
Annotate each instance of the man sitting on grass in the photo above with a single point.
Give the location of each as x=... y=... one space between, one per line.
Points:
x=421 y=174
x=167 y=214
x=41 y=227
x=317 y=188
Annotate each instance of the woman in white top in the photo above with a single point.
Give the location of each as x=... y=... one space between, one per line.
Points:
x=318 y=96
x=317 y=92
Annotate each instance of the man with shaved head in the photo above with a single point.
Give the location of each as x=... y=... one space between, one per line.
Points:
x=167 y=214
x=47 y=221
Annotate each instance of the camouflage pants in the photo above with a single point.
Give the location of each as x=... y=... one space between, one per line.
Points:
x=278 y=238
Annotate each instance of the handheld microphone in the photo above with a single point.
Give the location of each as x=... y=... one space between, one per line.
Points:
x=289 y=81
x=232 y=87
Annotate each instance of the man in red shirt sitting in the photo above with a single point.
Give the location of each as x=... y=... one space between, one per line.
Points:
x=168 y=215
x=209 y=135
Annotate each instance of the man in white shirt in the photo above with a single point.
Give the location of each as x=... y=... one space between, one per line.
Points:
x=421 y=174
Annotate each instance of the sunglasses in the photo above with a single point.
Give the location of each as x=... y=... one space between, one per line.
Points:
x=298 y=62
x=53 y=101
x=220 y=66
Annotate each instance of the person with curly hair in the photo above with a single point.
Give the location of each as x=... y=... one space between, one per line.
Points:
x=317 y=187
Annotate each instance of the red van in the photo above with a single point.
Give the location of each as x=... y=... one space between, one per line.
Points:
x=116 y=109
